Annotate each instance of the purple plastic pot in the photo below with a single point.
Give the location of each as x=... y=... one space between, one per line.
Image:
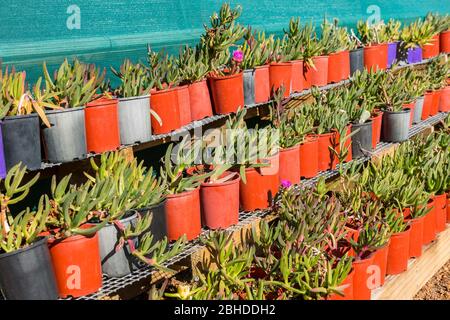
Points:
x=414 y=55
x=392 y=53
x=418 y=53
x=2 y=155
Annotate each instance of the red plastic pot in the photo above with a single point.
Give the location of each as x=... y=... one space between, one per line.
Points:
x=445 y=41
x=345 y=58
x=376 y=128
x=411 y=106
x=335 y=67
x=227 y=93
x=306 y=77
x=429 y=224
x=184 y=105
x=259 y=190
x=262 y=84
x=398 y=253
x=273 y=166
x=361 y=287
x=220 y=203
x=444 y=103
x=327 y=159
x=348 y=291
x=77 y=266
x=165 y=104
x=319 y=74
x=427 y=105
x=448 y=207
x=375 y=57
x=380 y=260
x=416 y=236
x=102 y=125
x=297 y=75
x=290 y=164
x=435 y=102
x=431 y=50
x=183 y=215
x=199 y=101
x=351 y=234
x=440 y=207
x=309 y=157
x=281 y=75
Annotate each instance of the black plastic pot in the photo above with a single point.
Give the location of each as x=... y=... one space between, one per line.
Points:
x=159 y=224
x=395 y=126
x=362 y=139
x=27 y=274
x=21 y=141
x=249 y=87
x=356 y=60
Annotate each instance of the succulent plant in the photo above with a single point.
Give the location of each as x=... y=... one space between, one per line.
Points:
x=372 y=34
x=255 y=48
x=193 y=64
x=393 y=30
x=134 y=78
x=417 y=33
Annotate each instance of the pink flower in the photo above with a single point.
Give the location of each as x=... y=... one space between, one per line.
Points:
x=238 y=56
x=286 y=184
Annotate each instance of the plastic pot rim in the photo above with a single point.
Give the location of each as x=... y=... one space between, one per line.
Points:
x=65 y=110
x=123 y=99
x=236 y=179
x=36 y=243
x=18 y=117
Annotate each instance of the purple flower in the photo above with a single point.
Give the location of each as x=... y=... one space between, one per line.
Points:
x=238 y=56
x=286 y=184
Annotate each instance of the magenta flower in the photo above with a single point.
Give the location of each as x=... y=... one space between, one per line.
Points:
x=286 y=184
x=238 y=55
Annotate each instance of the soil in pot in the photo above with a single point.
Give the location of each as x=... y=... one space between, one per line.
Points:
x=262 y=84
x=427 y=104
x=319 y=74
x=395 y=125
x=134 y=120
x=116 y=263
x=227 y=92
x=297 y=75
x=348 y=291
x=183 y=215
x=377 y=120
x=440 y=207
x=416 y=236
x=249 y=86
x=184 y=105
x=398 y=254
x=259 y=191
x=362 y=140
x=429 y=224
x=158 y=228
x=435 y=102
x=281 y=75
x=199 y=100
x=444 y=41
x=361 y=285
x=431 y=49
x=309 y=157
x=21 y=141
x=375 y=57
x=290 y=164
x=220 y=203
x=76 y=261
x=327 y=159
x=356 y=60
x=165 y=104
x=418 y=110
x=102 y=125
x=27 y=274
x=444 y=102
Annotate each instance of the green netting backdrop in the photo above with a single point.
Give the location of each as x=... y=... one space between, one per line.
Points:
x=33 y=31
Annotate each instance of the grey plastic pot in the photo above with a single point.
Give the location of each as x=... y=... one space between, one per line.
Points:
x=418 y=110
x=356 y=60
x=120 y=263
x=66 y=139
x=21 y=141
x=158 y=227
x=249 y=87
x=134 y=119
x=395 y=126
x=362 y=139
x=27 y=274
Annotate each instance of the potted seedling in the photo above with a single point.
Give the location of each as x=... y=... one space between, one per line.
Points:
x=315 y=63
x=356 y=53
x=20 y=112
x=414 y=36
x=416 y=221
x=280 y=67
x=294 y=51
x=431 y=49
x=373 y=36
x=334 y=48
x=444 y=38
x=393 y=37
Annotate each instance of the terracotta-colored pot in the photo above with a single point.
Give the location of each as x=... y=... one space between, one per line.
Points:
x=273 y=166
x=432 y=49
x=410 y=106
x=361 y=287
x=306 y=77
x=319 y=74
x=297 y=75
x=290 y=164
x=348 y=291
x=448 y=207
x=102 y=125
x=429 y=224
x=259 y=190
x=376 y=57
x=262 y=84
x=227 y=92
x=416 y=237
x=444 y=103
x=380 y=260
x=165 y=104
x=445 y=41
x=376 y=128
x=281 y=75
x=77 y=266
x=199 y=100
x=345 y=58
x=435 y=102
x=183 y=215
x=220 y=203
x=440 y=207
x=327 y=159
x=335 y=67
x=309 y=157
x=427 y=105
x=184 y=105
x=398 y=254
